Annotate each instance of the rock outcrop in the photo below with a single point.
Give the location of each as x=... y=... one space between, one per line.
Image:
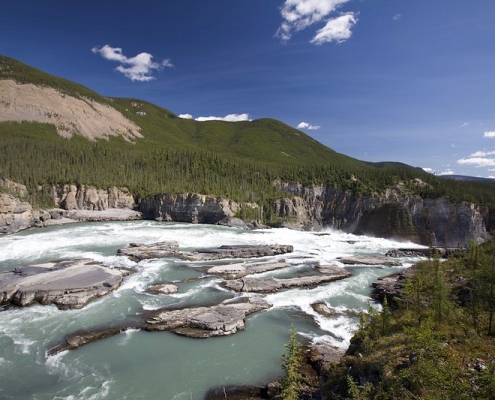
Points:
x=82 y=197
x=15 y=215
x=67 y=284
x=202 y=322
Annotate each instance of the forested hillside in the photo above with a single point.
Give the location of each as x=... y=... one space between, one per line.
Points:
x=238 y=160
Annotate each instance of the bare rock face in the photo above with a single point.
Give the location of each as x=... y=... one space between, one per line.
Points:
x=67 y=284
x=188 y=207
x=202 y=322
x=15 y=215
x=82 y=197
x=70 y=115
x=432 y=222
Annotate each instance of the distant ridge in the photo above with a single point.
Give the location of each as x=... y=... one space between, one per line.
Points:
x=466 y=178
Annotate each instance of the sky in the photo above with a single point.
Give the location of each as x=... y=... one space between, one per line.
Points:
x=377 y=80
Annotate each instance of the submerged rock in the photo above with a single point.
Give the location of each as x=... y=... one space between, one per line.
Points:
x=202 y=322
x=67 y=284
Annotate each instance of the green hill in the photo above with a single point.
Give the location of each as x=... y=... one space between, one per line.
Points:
x=237 y=160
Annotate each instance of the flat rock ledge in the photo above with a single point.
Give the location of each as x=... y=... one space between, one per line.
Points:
x=392 y=286
x=203 y=322
x=67 y=284
x=370 y=260
x=237 y=251
x=270 y=285
x=239 y=270
x=139 y=251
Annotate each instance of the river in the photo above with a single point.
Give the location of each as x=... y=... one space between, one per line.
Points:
x=144 y=365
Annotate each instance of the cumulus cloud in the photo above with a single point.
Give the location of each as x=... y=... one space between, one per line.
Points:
x=448 y=171
x=227 y=118
x=137 y=68
x=478 y=162
x=483 y=154
x=305 y=125
x=490 y=134
x=336 y=30
x=301 y=14
x=429 y=170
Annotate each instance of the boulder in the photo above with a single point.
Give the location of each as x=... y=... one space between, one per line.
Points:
x=163 y=288
x=67 y=284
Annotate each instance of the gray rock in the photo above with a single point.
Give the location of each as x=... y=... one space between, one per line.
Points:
x=163 y=288
x=138 y=252
x=323 y=309
x=370 y=260
x=237 y=251
x=239 y=270
x=202 y=322
x=67 y=284
x=269 y=285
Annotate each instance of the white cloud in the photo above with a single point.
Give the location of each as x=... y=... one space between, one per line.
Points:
x=490 y=134
x=397 y=17
x=491 y=176
x=464 y=124
x=448 y=171
x=137 y=68
x=336 y=30
x=305 y=125
x=185 y=116
x=301 y=14
x=429 y=170
x=228 y=118
x=478 y=162
x=483 y=154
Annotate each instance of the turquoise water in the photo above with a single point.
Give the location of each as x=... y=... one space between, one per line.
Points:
x=144 y=365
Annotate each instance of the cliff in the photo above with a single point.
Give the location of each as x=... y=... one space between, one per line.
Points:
x=432 y=222
x=435 y=222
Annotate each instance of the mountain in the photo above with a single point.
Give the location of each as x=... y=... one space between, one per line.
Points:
x=467 y=178
x=60 y=139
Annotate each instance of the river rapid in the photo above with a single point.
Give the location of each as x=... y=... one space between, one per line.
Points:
x=144 y=365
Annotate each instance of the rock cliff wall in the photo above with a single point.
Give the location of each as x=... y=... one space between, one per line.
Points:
x=72 y=197
x=434 y=222
x=189 y=207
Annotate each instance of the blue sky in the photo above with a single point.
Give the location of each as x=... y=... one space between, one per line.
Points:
x=378 y=80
